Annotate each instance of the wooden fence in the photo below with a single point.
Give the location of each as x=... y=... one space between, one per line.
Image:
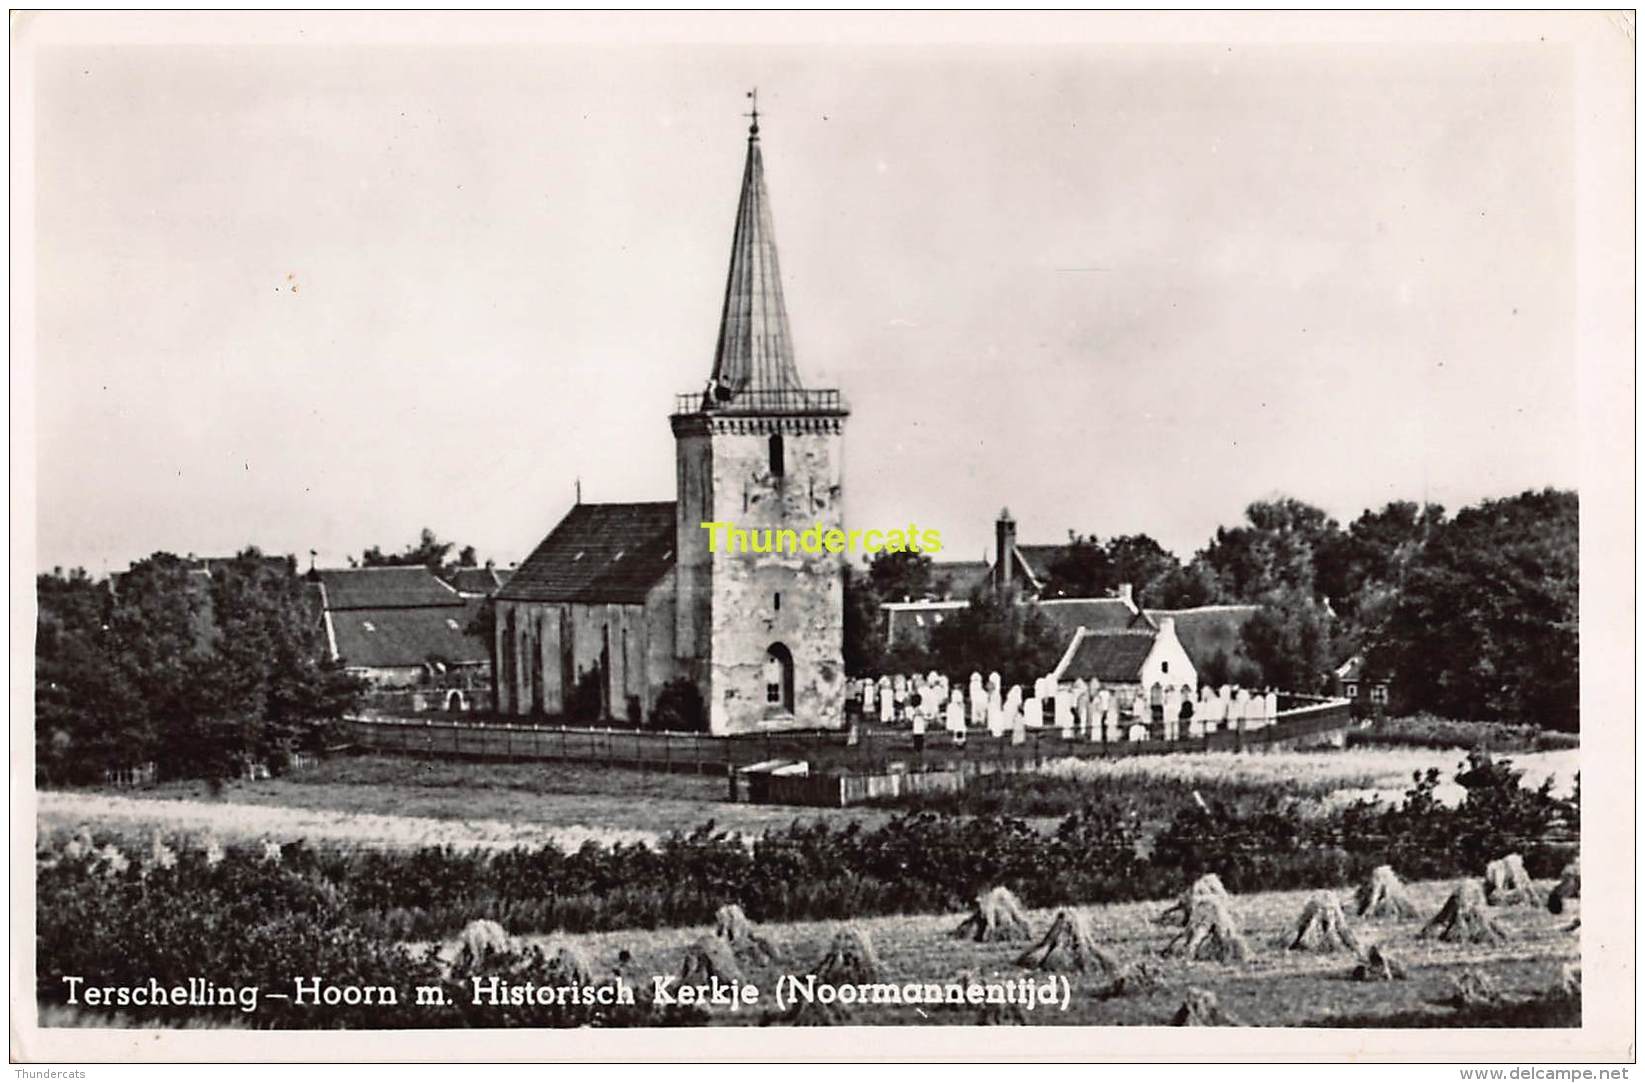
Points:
x=874 y=752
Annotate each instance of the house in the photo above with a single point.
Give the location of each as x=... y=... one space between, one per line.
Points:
x=1141 y=661
x=628 y=598
x=1366 y=690
x=404 y=629
x=1213 y=636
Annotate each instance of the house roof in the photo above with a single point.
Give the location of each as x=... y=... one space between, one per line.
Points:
x=385 y=588
x=478 y=580
x=1111 y=657
x=598 y=553
x=1095 y=614
x=1207 y=630
x=393 y=637
x=1038 y=560
x=962 y=576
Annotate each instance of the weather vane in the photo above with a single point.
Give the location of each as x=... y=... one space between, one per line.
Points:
x=754 y=111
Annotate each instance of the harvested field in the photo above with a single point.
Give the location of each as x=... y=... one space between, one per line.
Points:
x=399 y=802
x=1275 y=988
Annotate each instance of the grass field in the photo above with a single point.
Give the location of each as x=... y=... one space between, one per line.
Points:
x=1277 y=988
x=401 y=802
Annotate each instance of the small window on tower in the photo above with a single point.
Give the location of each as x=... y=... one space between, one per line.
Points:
x=776 y=454
x=777 y=600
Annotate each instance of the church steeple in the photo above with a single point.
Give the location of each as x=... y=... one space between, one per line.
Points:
x=754 y=352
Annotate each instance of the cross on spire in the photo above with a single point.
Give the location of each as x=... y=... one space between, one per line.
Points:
x=754 y=113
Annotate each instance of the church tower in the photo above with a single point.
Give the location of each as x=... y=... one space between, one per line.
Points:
x=760 y=633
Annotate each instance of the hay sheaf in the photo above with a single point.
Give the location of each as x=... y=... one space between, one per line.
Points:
x=1323 y=928
x=1569 y=887
x=1200 y=1008
x=1134 y=979
x=1069 y=946
x=1384 y=896
x=1210 y=933
x=709 y=958
x=568 y=965
x=1379 y=966
x=1464 y=920
x=997 y=916
x=479 y=940
x=1508 y=884
x=850 y=961
x=732 y=926
x=1207 y=886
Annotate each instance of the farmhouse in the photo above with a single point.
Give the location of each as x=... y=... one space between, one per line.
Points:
x=403 y=628
x=625 y=598
x=1137 y=660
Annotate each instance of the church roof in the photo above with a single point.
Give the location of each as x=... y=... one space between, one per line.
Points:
x=385 y=588
x=598 y=553
x=754 y=352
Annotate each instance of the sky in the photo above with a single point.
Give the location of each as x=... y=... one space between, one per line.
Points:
x=321 y=296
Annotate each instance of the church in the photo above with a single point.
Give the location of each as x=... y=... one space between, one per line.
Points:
x=628 y=597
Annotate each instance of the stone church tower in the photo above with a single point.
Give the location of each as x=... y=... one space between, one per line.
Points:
x=761 y=633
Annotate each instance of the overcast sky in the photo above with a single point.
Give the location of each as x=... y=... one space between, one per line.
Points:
x=322 y=296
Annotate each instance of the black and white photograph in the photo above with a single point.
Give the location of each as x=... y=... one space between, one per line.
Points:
x=737 y=523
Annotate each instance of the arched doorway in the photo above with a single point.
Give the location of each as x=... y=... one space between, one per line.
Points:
x=454 y=702
x=779 y=679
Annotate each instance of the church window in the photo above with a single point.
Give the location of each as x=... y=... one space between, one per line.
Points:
x=777 y=601
x=779 y=677
x=776 y=454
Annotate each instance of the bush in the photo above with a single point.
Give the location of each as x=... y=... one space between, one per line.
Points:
x=680 y=708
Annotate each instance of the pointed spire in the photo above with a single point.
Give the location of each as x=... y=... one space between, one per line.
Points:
x=754 y=352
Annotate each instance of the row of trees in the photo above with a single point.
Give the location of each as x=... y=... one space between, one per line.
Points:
x=169 y=663
x=1471 y=617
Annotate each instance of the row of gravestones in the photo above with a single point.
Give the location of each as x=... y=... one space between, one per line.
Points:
x=1079 y=711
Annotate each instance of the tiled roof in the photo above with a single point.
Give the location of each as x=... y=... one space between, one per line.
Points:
x=599 y=553
x=477 y=580
x=381 y=638
x=385 y=588
x=1111 y=657
x=1208 y=630
x=962 y=576
x=1096 y=614
x=910 y=623
x=1039 y=559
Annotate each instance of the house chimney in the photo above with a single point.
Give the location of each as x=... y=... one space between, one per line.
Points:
x=1168 y=627
x=1005 y=546
x=1124 y=595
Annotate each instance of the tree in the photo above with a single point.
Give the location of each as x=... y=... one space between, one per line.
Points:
x=1485 y=623
x=1289 y=641
x=1082 y=570
x=1359 y=565
x=864 y=646
x=994 y=633
x=428 y=551
x=1273 y=550
x=899 y=576
x=1147 y=565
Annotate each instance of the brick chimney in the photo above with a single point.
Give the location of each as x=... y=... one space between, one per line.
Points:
x=1005 y=547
